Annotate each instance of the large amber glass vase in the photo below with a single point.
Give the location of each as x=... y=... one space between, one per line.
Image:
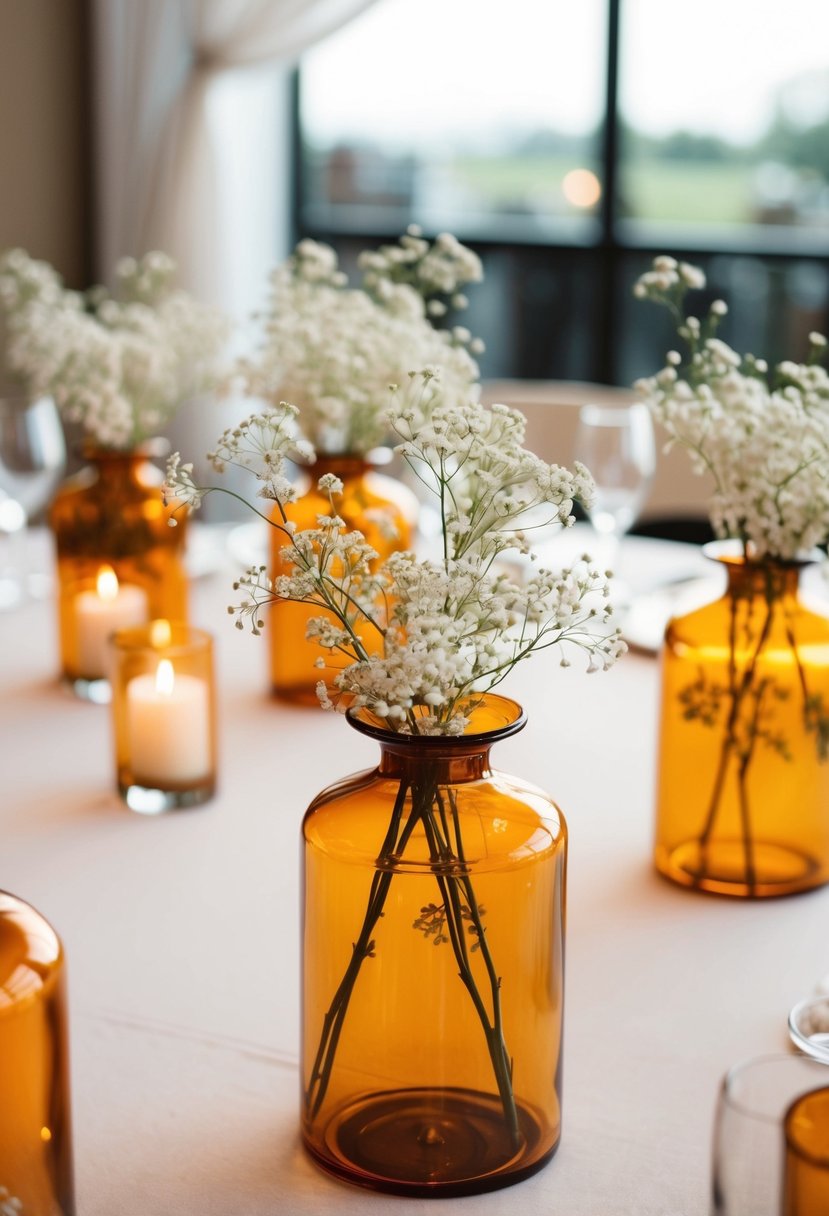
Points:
x=743 y=784
x=433 y=966
x=385 y=511
x=111 y=517
x=35 y=1131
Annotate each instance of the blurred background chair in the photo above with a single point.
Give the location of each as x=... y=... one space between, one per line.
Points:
x=675 y=507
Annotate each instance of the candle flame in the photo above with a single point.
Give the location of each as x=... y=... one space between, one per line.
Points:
x=107 y=583
x=164 y=678
x=160 y=634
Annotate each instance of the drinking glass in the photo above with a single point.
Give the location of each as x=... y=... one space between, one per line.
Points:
x=32 y=462
x=749 y=1142
x=617 y=445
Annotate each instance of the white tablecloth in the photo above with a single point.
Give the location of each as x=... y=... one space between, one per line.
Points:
x=181 y=935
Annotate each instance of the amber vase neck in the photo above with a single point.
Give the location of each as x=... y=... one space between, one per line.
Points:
x=419 y=764
x=771 y=580
x=443 y=759
x=346 y=466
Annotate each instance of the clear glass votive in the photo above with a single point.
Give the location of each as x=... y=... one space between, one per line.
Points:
x=809 y=1027
x=749 y=1142
x=91 y=610
x=164 y=716
x=806 y=1173
x=35 y=1124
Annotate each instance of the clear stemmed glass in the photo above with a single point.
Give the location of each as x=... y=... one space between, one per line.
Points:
x=32 y=462
x=617 y=445
x=748 y=1149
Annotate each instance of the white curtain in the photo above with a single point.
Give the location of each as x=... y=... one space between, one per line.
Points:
x=191 y=136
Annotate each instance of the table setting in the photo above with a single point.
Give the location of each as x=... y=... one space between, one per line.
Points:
x=277 y=959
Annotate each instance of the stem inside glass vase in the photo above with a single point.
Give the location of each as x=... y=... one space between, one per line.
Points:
x=745 y=733
x=426 y=799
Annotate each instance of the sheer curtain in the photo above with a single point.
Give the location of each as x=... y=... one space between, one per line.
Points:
x=191 y=131
x=192 y=149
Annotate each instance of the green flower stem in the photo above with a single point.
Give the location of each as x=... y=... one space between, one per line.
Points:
x=455 y=887
x=335 y=1017
x=451 y=886
x=738 y=690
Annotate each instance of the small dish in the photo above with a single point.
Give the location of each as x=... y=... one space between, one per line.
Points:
x=809 y=1027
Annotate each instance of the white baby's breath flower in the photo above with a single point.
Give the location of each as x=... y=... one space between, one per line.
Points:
x=334 y=349
x=443 y=631
x=765 y=445
x=118 y=366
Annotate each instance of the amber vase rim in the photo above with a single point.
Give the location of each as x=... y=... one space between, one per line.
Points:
x=441 y=745
x=732 y=553
x=148 y=449
x=358 y=462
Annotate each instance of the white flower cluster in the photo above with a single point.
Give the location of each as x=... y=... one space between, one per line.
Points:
x=763 y=441
x=436 y=271
x=262 y=445
x=118 y=366
x=449 y=629
x=334 y=350
x=489 y=487
x=9 y=1204
x=457 y=630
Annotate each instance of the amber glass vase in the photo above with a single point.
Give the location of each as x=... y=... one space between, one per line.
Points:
x=806 y=1170
x=111 y=517
x=385 y=511
x=743 y=785
x=35 y=1131
x=433 y=966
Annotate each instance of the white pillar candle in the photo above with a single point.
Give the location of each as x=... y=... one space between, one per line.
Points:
x=168 y=728
x=98 y=613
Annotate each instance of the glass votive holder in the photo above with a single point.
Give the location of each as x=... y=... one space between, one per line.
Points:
x=164 y=716
x=91 y=609
x=35 y=1123
x=806 y=1171
x=749 y=1143
x=809 y=1027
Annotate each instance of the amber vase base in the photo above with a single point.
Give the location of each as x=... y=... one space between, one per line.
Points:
x=722 y=868
x=430 y=1143
x=297 y=694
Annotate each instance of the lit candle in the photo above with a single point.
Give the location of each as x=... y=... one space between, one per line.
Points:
x=99 y=613
x=168 y=728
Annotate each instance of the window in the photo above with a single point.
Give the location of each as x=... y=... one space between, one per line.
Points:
x=568 y=144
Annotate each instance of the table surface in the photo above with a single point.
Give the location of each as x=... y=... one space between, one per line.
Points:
x=181 y=933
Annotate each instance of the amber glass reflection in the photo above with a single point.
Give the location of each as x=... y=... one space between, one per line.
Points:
x=385 y=512
x=743 y=788
x=806 y=1175
x=111 y=514
x=433 y=967
x=35 y=1132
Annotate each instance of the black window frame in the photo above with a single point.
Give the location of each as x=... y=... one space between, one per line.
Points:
x=616 y=240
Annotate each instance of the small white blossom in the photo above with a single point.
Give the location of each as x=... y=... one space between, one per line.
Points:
x=334 y=349
x=765 y=445
x=117 y=366
x=418 y=640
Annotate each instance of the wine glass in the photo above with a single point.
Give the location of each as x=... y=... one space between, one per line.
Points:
x=32 y=462
x=616 y=443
